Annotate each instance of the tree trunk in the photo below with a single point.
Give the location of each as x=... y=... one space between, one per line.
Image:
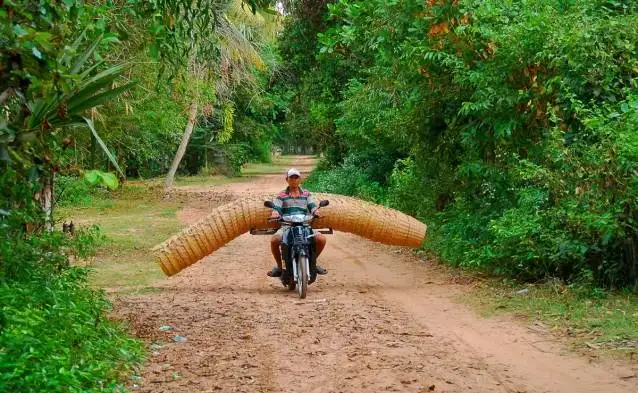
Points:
x=46 y=201
x=192 y=117
x=93 y=152
x=206 y=160
x=631 y=259
x=5 y=95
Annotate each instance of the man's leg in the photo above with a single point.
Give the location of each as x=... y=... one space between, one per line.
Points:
x=320 y=243
x=275 y=243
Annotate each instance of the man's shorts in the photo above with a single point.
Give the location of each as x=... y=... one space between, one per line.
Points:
x=280 y=231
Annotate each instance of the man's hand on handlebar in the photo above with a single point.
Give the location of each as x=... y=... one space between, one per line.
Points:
x=275 y=214
x=316 y=213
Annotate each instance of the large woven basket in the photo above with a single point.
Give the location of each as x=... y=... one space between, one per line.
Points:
x=345 y=214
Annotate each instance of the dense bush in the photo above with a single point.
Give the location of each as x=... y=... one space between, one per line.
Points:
x=54 y=334
x=510 y=126
x=77 y=191
x=355 y=177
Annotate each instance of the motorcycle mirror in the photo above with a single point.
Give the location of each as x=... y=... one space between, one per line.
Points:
x=269 y=204
x=324 y=203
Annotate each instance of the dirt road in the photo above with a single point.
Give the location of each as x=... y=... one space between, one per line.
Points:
x=381 y=320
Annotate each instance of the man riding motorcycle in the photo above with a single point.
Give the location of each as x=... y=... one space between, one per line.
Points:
x=293 y=199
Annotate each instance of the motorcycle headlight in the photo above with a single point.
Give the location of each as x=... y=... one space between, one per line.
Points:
x=295 y=218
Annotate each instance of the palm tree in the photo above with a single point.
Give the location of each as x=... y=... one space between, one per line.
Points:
x=82 y=88
x=237 y=34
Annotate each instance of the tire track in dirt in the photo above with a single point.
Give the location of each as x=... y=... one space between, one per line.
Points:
x=453 y=361
x=519 y=360
x=217 y=311
x=380 y=321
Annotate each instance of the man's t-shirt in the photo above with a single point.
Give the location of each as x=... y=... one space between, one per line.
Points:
x=285 y=203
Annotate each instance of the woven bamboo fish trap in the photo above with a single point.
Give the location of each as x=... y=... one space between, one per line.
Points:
x=345 y=214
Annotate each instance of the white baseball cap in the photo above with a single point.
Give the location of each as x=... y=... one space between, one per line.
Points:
x=292 y=172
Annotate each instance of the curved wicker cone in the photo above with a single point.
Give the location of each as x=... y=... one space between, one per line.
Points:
x=227 y=222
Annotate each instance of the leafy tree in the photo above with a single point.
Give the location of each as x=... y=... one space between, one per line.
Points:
x=506 y=120
x=49 y=81
x=229 y=61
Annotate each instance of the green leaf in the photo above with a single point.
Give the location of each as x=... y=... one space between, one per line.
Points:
x=41 y=109
x=98 y=178
x=70 y=51
x=99 y=99
x=106 y=150
x=88 y=90
x=92 y=177
x=37 y=53
x=109 y=71
x=154 y=51
x=89 y=51
x=110 y=181
x=19 y=30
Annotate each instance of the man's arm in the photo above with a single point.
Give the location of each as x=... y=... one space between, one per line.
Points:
x=278 y=208
x=312 y=204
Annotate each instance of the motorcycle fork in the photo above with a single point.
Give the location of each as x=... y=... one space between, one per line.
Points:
x=290 y=254
x=305 y=250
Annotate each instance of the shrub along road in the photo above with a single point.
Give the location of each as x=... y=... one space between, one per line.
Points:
x=381 y=320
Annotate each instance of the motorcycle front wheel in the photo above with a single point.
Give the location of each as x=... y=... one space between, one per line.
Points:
x=302 y=276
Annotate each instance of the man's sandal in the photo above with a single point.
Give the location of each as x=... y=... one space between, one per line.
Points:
x=275 y=272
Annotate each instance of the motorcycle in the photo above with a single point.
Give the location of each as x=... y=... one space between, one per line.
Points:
x=297 y=248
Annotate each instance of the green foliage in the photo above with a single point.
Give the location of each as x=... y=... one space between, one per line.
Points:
x=73 y=191
x=347 y=179
x=54 y=334
x=104 y=179
x=50 y=106
x=510 y=126
x=260 y=150
x=235 y=155
x=181 y=30
x=84 y=190
x=404 y=182
x=52 y=74
x=145 y=127
x=228 y=111
x=311 y=89
x=14 y=189
x=35 y=324
x=97 y=138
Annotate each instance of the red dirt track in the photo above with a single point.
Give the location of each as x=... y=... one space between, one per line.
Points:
x=381 y=320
